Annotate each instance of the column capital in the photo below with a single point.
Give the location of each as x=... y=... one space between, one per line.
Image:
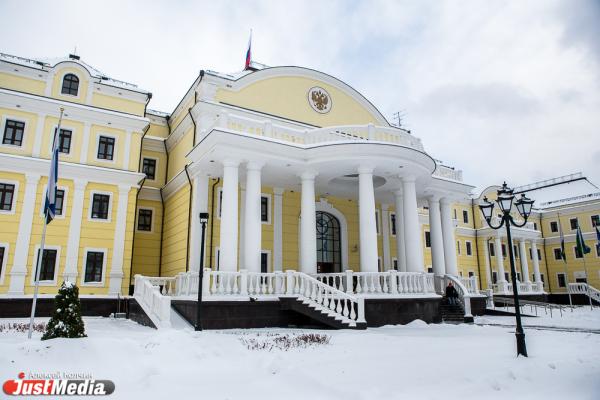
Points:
x=398 y=193
x=80 y=184
x=433 y=198
x=231 y=162
x=408 y=178
x=365 y=169
x=278 y=191
x=254 y=165
x=32 y=179
x=445 y=200
x=308 y=175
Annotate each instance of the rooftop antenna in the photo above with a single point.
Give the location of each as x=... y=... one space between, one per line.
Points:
x=398 y=116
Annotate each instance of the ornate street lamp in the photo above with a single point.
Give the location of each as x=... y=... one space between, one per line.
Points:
x=505 y=202
x=203 y=221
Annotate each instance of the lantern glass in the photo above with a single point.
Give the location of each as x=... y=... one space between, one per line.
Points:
x=487 y=209
x=524 y=206
x=505 y=202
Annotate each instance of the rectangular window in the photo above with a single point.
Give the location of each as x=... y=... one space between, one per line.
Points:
x=595 y=220
x=264 y=209
x=535 y=226
x=377 y=221
x=503 y=250
x=562 y=280
x=494 y=277
x=465 y=216
x=13 y=132
x=144 y=220
x=106 y=148
x=264 y=262
x=506 y=276
x=519 y=276
x=149 y=168
x=379 y=264
x=539 y=254
x=542 y=278
x=530 y=254
x=492 y=250
x=393 y=223
x=220 y=202
x=573 y=222
x=557 y=254
x=455 y=217
x=427 y=239
x=578 y=253
x=48 y=265
x=93 y=267
x=553 y=226
x=469 y=249
x=100 y=205
x=7 y=192
x=471 y=273
x=395 y=264
x=60 y=200
x=458 y=247
x=516 y=251
x=64 y=140
x=430 y=270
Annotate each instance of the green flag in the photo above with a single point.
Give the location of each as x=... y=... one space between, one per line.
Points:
x=581 y=247
x=562 y=243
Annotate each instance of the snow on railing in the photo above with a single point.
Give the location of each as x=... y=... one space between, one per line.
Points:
x=388 y=282
x=470 y=283
x=584 y=288
x=148 y=295
x=523 y=287
x=446 y=172
x=463 y=294
x=367 y=132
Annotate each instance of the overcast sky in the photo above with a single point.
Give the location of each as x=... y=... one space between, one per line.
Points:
x=500 y=89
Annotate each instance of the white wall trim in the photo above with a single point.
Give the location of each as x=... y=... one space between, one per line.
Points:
x=56 y=265
x=13 y=205
x=115 y=154
x=25 y=120
x=91 y=204
x=137 y=217
x=324 y=206
x=102 y=282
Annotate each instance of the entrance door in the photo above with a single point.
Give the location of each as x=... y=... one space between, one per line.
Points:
x=329 y=254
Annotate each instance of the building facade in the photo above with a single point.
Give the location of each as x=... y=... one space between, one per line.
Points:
x=297 y=170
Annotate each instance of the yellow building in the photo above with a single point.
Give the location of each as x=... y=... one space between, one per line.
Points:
x=296 y=169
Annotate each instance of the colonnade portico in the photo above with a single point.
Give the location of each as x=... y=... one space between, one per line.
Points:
x=409 y=242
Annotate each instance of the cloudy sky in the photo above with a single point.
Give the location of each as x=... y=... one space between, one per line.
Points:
x=500 y=89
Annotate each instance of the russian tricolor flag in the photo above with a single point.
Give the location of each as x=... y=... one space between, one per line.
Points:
x=249 y=53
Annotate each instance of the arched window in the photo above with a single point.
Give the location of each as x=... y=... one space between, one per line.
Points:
x=70 y=84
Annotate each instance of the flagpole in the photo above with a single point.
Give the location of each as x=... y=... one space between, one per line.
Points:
x=43 y=243
x=564 y=256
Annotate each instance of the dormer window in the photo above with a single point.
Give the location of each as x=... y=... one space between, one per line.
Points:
x=70 y=85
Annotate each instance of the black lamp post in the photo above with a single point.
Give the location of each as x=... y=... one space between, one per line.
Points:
x=203 y=221
x=505 y=201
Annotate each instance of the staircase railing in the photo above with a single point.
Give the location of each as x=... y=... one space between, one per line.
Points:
x=584 y=288
x=148 y=295
x=388 y=282
x=463 y=295
x=470 y=283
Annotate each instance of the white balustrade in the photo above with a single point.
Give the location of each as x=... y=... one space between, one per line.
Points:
x=148 y=295
x=470 y=283
x=584 y=288
x=379 y=283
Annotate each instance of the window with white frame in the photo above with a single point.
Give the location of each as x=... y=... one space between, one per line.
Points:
x=94 y=266
x=106 y=148
x=13 y=132
x=265 y=209
x=377 y=221
x=144 y=220
x=395 y=264
x=70 y=85
x=557 y=253
x=100 y=206
x=494 y=277
x=264 y=262
x=595 y=221
x=492 y=250
x=539 y=254
x=149 y=168
x=393 y=223
x=48 y=264
x=64 y=140
x=60 y=201
x=561 y=279
x=7 y=195
x=427 y=239
x=553 y=226
x=469 y=248
x=574 y=223
x=465 y=214
x=3 y=257
x=458 y=247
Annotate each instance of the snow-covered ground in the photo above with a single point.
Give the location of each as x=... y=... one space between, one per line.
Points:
x=578 y=318
x=415 y=361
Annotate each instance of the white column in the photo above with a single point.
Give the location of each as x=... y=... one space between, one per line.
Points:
x=199 y=204
x=524 y=265
x=412 y=232
x=308 y=225
x=367 y=223
x=228 y=243
x=19 y=268
x=72 y=259
x=448 y=235
x=502 y=284
x=252 y=221
x=277 y=229
x=536 y=266
x=242 y=227
x=385 y=227
x=400 y=243
x=437 y=241
x=39 y=134
x=116 y=270
x=486 y=263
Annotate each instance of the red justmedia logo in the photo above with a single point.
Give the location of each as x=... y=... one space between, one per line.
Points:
x=57 y=387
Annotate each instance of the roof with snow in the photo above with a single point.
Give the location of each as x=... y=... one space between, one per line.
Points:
x=561 y=191
x=46 y=63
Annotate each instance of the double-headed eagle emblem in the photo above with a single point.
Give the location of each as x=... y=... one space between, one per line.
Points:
x=320 y=100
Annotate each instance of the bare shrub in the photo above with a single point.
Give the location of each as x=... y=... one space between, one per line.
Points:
x=285 y=342
x=21 y=327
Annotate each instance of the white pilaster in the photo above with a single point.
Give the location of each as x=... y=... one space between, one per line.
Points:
x=524 y=265
x=19 y=268
x=85 y=142
x=229 y=217
x=385 y=228
x=39 y=135
x=308 y=225
x=199 y=204
x=277 y=229
x=448 y=235
x=536 y=266
x=437 y=240
x=412 y=233
x=127 y=154
x=72 y=258
x=500 y=265
x=367 y=222
x=400 y=243
x=242 y=227
x=116 y=269
x=252 y=221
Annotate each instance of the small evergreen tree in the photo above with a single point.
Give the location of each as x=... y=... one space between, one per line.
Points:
x=66 y=321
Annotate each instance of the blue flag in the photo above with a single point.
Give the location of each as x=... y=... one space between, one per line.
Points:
x=50 y=204
x=597 y=240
